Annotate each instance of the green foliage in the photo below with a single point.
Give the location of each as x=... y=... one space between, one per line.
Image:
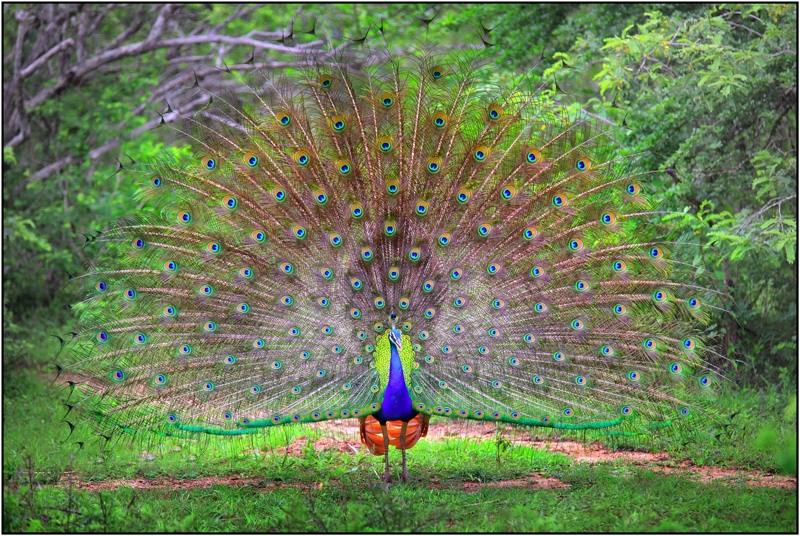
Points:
x=709 y=95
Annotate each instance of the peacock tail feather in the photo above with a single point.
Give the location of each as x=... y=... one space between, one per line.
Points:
x=509 y=241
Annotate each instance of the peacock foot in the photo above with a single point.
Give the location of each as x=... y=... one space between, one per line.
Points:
x=387 y=477
x=404 y=476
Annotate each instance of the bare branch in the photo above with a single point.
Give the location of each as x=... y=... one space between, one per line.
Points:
x=27 y=71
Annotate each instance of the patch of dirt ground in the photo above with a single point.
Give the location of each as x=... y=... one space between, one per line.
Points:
x=345 y=440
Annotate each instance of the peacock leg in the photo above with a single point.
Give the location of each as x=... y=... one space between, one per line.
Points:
x=404 y=477
x=387 y=476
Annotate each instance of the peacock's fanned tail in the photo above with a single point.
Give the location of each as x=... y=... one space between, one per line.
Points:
x=511 y=239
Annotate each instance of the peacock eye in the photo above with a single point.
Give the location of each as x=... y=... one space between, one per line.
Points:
x=284 y=119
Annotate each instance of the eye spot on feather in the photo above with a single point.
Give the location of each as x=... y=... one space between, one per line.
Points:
x=387 y=99
x=320 y=197
x=338 y=123
x=250 y=159
x=118 y=375
x=533 y=155
x=608 y=218
x=385 y=144
x=283 y=118
x=302 y=157
x=343 y=166
x=209 y=163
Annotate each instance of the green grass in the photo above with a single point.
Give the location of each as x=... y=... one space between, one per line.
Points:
x=334 y=491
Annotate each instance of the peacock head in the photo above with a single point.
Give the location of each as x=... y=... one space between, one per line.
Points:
x=396 y=337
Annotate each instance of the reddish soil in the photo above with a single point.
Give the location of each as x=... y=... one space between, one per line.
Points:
x=587 y=453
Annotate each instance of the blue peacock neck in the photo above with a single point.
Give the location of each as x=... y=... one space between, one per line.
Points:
x=397 y=404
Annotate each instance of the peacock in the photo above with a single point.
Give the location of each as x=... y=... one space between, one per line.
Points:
x=389 y=240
